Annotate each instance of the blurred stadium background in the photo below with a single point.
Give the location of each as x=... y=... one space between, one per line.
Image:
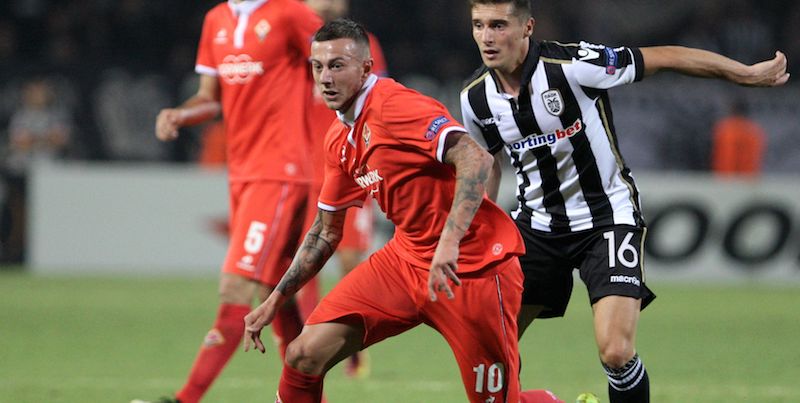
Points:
x=110 y=243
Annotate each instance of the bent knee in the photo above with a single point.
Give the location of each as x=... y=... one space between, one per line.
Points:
x=616 y=355
x=300 y=356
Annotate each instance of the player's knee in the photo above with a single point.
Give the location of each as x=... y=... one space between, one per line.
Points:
x=616 y=354
x=300 y=356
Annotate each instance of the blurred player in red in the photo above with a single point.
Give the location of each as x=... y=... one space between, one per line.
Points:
x=406 y=151
x=358 y=222
x=252 y=58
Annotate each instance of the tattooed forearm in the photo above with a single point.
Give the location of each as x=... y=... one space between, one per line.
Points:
x=473 y=166
x=318 y=246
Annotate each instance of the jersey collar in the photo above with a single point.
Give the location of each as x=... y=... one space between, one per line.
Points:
x=359 y=104
x=245 y=7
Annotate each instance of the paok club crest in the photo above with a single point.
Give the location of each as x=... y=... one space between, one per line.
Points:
x=553 y=102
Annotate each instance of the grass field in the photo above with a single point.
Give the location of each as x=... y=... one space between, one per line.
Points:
x=110 y=339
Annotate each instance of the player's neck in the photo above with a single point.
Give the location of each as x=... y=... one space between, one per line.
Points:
x=511 y=78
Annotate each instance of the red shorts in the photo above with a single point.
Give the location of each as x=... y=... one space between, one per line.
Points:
x=266 y=228
x=387 y=296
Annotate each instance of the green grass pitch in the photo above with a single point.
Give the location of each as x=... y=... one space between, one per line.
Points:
x=89 y=339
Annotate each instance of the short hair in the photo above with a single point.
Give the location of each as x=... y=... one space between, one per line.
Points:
x=343 y=28
x=522 y=8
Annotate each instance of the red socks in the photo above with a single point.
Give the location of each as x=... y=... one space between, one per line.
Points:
x=297 y=387
x=286 y=326
x=217 y=348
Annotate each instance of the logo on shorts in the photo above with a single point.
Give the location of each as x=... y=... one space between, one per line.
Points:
x=246 y=263
x=626 y=279
x=497 y=249
x=553 y=102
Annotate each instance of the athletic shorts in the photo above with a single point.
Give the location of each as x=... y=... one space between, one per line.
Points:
x=266 y=228
x=606 y=269
x=387 y=296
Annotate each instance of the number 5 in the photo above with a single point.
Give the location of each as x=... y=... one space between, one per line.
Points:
x=625 y=246
x=255 y=237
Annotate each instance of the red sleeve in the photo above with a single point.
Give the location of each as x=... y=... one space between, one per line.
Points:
x=339 y=190
x=379 y=67
x=418 y=121
x=205 y=59
x=305 y=23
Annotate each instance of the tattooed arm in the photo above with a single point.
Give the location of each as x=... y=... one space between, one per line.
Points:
x=472 y=164
x=318 y=246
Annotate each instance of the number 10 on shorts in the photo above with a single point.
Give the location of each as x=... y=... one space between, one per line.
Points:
x=492 y=379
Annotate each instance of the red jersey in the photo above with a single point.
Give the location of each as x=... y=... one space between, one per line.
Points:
x=393 y=151
x=320 y=116
x=259 y=51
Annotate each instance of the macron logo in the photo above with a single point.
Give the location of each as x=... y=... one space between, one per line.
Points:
x=539 y=140
x=369 y=179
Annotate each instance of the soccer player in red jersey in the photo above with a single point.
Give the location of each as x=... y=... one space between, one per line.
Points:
x=407 y=152
x=358 y=223
x=252 y=59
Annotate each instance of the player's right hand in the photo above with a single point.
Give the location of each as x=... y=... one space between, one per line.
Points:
x=255 y=321
x=167 y=124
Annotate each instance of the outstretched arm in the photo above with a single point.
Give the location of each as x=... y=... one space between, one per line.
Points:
x=472 y=164
x=703 y=63
x=201 y=107
x=318 y=246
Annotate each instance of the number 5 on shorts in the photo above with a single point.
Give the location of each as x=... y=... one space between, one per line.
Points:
x=255 y=237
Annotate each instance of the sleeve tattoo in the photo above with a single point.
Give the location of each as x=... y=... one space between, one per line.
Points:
x=473 y=165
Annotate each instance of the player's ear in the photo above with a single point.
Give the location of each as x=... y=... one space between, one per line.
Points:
x=367 y=65
x=529 y=26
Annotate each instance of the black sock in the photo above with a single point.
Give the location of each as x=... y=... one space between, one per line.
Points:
x=628 y=384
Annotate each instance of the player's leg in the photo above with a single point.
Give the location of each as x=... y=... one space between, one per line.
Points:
x=220 y=343
x=613 y=274
x=480 y=326
x=311 y=355
x=369 y=305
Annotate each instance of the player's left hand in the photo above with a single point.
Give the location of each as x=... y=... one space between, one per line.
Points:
x=255 y=321
x=769 y=73
x=443 y=267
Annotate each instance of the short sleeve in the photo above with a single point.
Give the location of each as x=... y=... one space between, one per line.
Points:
x=339 y=190
x=603 y=67
x=205 y=59
x=418 y=121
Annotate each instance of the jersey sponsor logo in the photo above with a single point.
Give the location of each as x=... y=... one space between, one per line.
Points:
x=262 y=29
x=540 y=140
x=553 y=102
x=611 y=61
x=239 y=69
x=626 y=279
x=222 y=37
x=370 y=178
x=434 y=127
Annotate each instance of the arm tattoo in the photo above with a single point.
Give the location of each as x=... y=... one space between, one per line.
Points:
x=318 y=246
x=473 y=165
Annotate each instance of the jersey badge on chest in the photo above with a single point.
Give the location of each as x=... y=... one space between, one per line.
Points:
x=262 y=28
x=553 y=102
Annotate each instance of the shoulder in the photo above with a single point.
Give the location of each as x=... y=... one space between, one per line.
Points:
x=477 y=76
x=217 y=12
x=559 y=52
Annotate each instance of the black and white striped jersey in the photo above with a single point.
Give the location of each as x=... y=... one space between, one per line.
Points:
x=559 y=134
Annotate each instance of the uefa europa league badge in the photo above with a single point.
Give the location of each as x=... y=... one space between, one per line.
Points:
x=262 y=29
